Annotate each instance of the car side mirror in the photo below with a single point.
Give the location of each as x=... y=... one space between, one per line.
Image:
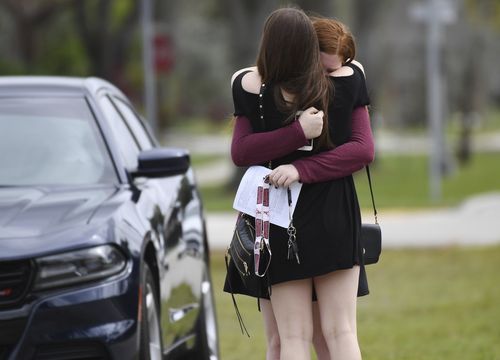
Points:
x=161 y=162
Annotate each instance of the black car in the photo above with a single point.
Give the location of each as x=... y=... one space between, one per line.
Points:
x=103 y=247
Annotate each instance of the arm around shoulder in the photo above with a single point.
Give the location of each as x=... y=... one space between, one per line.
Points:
x=343 y=160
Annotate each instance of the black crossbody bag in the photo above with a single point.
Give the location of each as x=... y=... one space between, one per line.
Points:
x=371 y=235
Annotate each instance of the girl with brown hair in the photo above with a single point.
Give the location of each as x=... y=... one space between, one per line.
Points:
x=327 y=215
x=337 y=51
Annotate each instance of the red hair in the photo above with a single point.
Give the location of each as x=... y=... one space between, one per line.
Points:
x=335 y=38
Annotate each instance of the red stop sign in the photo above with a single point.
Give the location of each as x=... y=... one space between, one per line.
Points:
x=164 y=53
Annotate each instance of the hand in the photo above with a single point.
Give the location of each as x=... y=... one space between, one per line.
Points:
x=284 y=175
x=311 y=121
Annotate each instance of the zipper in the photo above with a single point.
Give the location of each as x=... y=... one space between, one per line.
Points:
x=251 y=227
x=241 y=243
x=246 y=273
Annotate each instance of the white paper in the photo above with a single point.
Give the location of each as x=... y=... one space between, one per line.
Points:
x=246 y=196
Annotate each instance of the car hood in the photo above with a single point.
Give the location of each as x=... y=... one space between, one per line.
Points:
x=35 y=218
x=27 y=212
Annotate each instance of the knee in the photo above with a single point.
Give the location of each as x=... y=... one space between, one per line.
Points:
x=336 y=332
x=304 y=334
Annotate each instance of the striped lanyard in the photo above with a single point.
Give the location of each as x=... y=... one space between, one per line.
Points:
x=262 y=226
x=262 y=212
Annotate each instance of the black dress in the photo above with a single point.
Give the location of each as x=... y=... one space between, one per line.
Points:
x=327 y=215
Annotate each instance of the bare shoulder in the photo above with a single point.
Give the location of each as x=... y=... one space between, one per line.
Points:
x=251 y=68
x=358 y=64
x=342 y=71
x=251 y=82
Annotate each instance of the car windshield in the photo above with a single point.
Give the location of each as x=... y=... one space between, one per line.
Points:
x=51 y=141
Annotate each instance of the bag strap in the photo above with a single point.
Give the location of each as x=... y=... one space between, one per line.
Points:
x=293 y=249
x=262 y=225
x=238 y=314
x=371 y=193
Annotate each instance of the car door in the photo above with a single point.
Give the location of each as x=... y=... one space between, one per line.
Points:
x=177 y=223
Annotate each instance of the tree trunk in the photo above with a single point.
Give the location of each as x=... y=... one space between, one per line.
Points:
x=108 y=51
x=245 y=19
x=29 y=16
x=472 y=94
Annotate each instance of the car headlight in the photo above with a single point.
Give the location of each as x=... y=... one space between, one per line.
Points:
x=78 y=266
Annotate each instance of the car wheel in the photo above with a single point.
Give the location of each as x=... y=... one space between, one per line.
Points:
x=207 y=336
x=151 y=343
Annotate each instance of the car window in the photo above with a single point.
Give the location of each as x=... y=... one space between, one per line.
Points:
x=134 y=123
x=51 y=141
x=127 y=143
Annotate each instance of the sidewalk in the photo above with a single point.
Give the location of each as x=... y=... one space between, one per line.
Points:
x=475 y=222
x=386 y=142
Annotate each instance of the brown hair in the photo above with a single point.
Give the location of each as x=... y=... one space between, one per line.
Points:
x=335 y=38
x=289 y=58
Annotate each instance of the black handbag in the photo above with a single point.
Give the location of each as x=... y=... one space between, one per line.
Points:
x=241 y=247
x=371 y=235
x=240 y=256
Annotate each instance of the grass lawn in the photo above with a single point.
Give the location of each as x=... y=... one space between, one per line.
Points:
x=424 y=305
x=401 y=182
x=198 y=160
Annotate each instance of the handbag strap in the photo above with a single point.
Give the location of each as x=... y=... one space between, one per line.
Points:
x=371 y=193
x=293 y=249
x=261 y=225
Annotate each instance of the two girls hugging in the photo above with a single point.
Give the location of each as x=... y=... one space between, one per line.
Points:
x=308 y=67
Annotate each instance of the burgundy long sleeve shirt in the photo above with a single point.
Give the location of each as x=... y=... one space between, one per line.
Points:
x=336 y=163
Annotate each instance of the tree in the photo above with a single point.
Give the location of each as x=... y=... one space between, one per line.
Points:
x=484 y=12
x=29 y=16
x=364 y=16
x=245 y=18
x=320 y=7
x=106 y=29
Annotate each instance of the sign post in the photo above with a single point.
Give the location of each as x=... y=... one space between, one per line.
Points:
x=148 y=63
x=435 y=14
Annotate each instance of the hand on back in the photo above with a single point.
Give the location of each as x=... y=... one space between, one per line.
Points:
x=311 y=121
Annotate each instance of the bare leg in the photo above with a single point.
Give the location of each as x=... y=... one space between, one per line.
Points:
x=292 y=305
x=337 y=296
x=273 y=339
x=320 y=346
x=272 y=335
